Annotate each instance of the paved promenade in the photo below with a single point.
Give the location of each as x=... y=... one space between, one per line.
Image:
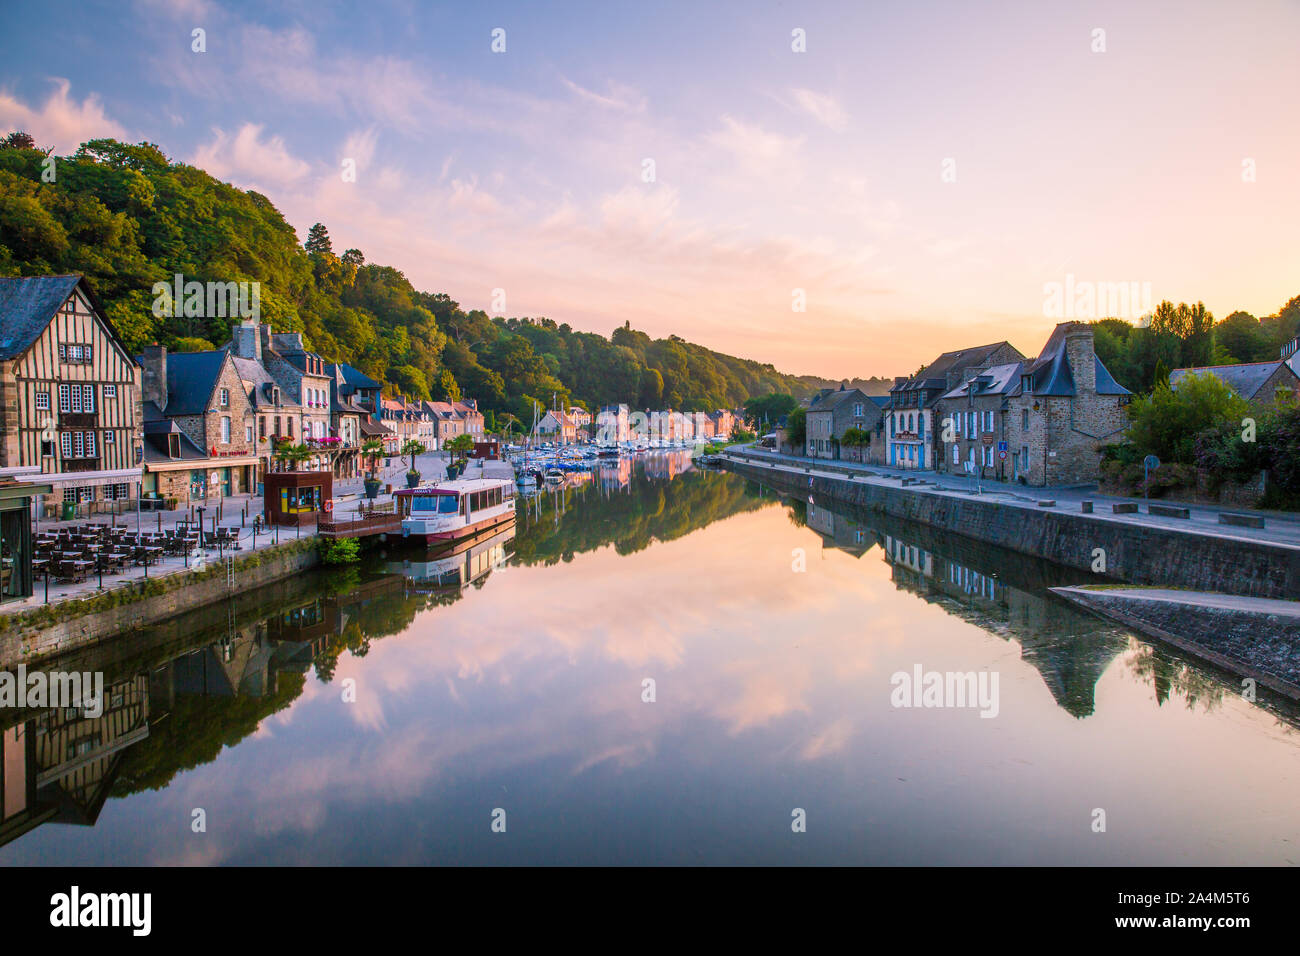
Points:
x=1280 y=527
x=237 y=514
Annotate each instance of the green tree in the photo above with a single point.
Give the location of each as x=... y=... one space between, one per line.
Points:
x=796 y=427
x=318 y=240
x=1166 y=423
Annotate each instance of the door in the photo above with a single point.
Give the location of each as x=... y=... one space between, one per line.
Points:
x=225 y=482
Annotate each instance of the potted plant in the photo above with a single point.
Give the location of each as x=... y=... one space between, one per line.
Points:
x=371 y=451
x=290 y=456
x=411 y=448
x=458 y=447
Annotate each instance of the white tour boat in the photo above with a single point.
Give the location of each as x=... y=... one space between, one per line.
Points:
x=451 y=510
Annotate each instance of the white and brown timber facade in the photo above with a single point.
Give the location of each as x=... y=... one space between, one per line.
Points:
x=69 y=393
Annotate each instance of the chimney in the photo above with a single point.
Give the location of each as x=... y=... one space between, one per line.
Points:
x=1080 y=351
x=246 y=340
x=153 y=383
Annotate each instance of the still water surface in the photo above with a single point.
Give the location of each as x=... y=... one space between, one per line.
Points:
x=513 y=676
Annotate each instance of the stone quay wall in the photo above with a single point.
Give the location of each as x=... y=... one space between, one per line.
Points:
x=1135 y=554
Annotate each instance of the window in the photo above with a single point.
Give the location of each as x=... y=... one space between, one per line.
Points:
x=65 y=402
x=225 y=398
x=225 y=430
x=110 y=438
x=76 y=399
x=261 y=426
x=1024 y=419
x=110 y=391
x=248 y=433
x=956 y=454
x=42 y=401
x=88 y=398
x=65 y=440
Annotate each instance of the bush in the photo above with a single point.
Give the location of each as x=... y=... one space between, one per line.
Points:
x=1166 y=423
x=340 y=551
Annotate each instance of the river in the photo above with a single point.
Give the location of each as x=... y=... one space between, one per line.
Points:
x=661 y=665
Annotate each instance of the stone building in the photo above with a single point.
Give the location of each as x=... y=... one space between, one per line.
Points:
x=831 y=413
x=973 y=424
x=302 y=375
x=1260 y=383
x=200 y=396
x=911 y=419
x=69 y=394
x=1067 y=408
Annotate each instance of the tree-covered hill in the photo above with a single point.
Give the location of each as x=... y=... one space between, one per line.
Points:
x=127 y=217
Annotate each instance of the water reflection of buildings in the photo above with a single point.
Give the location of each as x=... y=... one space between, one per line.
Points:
x=1070 y=650
x=59 y=764
x=666 y=464
x=840 y=532
x=1000 y=593
x=615 y=476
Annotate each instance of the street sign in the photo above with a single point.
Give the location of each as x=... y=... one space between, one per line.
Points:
x=1002 y=454
x=1002 y=447
x=1149 y=464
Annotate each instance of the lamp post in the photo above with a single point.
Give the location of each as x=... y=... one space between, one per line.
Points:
x=200 y=509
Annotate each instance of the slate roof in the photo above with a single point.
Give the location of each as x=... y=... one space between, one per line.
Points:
x=935 y=375
x=255 y=373
x=157 y=428
x=996 y=380
x=357 y=378
x=28 y=304
x=829 y=402
x=191 y=377
x=1246 y=380
x=1050 y=373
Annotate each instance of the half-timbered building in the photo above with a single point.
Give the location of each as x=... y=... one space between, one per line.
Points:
x=69 y=393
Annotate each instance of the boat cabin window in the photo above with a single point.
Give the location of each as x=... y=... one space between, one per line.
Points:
x=485 y=499
x=440 y=504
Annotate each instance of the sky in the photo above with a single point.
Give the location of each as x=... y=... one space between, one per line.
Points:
x=917 y=178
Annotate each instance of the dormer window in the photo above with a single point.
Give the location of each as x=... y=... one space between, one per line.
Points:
x=173 y=446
